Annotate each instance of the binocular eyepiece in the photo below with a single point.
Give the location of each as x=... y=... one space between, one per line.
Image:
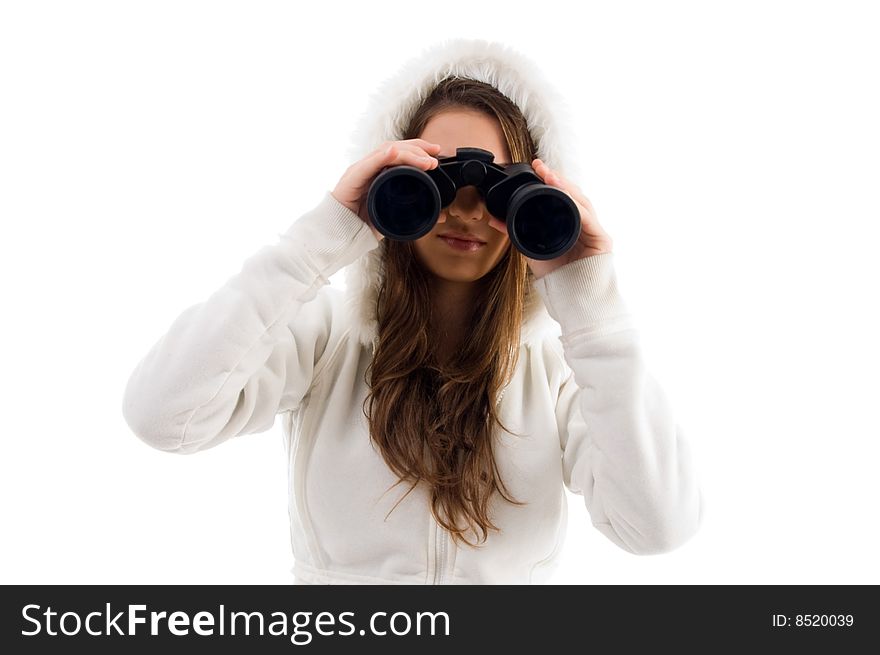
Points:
x=542 y=221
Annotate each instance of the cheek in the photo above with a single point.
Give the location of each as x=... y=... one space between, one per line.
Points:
x=419 y=250
x=501 y=246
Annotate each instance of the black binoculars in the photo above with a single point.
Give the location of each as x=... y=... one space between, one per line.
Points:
x=542 y=221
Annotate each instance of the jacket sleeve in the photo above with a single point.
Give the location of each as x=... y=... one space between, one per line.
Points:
x=621 y=447
x=227 y=366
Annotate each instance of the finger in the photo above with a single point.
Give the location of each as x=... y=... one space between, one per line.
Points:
x=420 y=146
x=398 y=153
x=541 y=169
x=364 y=171
x=555 y=179
x=546 y=173
x=427 y=146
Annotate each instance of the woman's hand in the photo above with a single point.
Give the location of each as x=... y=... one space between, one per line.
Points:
x=593 y=240
x=354 y=185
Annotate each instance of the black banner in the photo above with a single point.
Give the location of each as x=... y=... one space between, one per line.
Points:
x=288 y=619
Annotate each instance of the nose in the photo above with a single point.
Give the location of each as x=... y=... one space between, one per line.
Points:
x=468 y=205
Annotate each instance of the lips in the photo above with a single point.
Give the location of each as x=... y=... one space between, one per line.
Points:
x=461 y=236
x=461 y=244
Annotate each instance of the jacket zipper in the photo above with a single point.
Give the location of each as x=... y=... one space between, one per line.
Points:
x=441 y=550
x=441 y=539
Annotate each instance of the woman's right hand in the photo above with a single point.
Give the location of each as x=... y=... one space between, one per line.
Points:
x=354 y=185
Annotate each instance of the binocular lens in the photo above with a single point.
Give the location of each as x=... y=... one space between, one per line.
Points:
x=543 y=223
x=406 y=204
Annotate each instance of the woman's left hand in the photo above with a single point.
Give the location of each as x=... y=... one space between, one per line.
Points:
x=593 y=240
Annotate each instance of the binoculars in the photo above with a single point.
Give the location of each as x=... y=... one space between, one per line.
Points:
x=542 y=221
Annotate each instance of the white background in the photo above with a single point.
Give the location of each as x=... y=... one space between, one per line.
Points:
x=732 y=150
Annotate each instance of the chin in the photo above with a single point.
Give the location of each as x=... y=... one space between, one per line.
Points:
x=454 y=268
x=457 y=276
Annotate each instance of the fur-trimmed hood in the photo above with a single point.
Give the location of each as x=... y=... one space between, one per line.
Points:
x=389 y=111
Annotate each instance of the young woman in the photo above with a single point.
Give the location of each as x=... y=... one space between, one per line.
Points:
x=435 y=411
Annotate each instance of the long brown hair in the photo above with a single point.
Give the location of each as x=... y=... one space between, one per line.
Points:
x=434 y=422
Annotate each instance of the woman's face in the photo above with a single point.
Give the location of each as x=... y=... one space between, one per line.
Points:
x=467 y=214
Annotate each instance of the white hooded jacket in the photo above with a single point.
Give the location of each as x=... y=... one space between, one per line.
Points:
x=277 y=338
